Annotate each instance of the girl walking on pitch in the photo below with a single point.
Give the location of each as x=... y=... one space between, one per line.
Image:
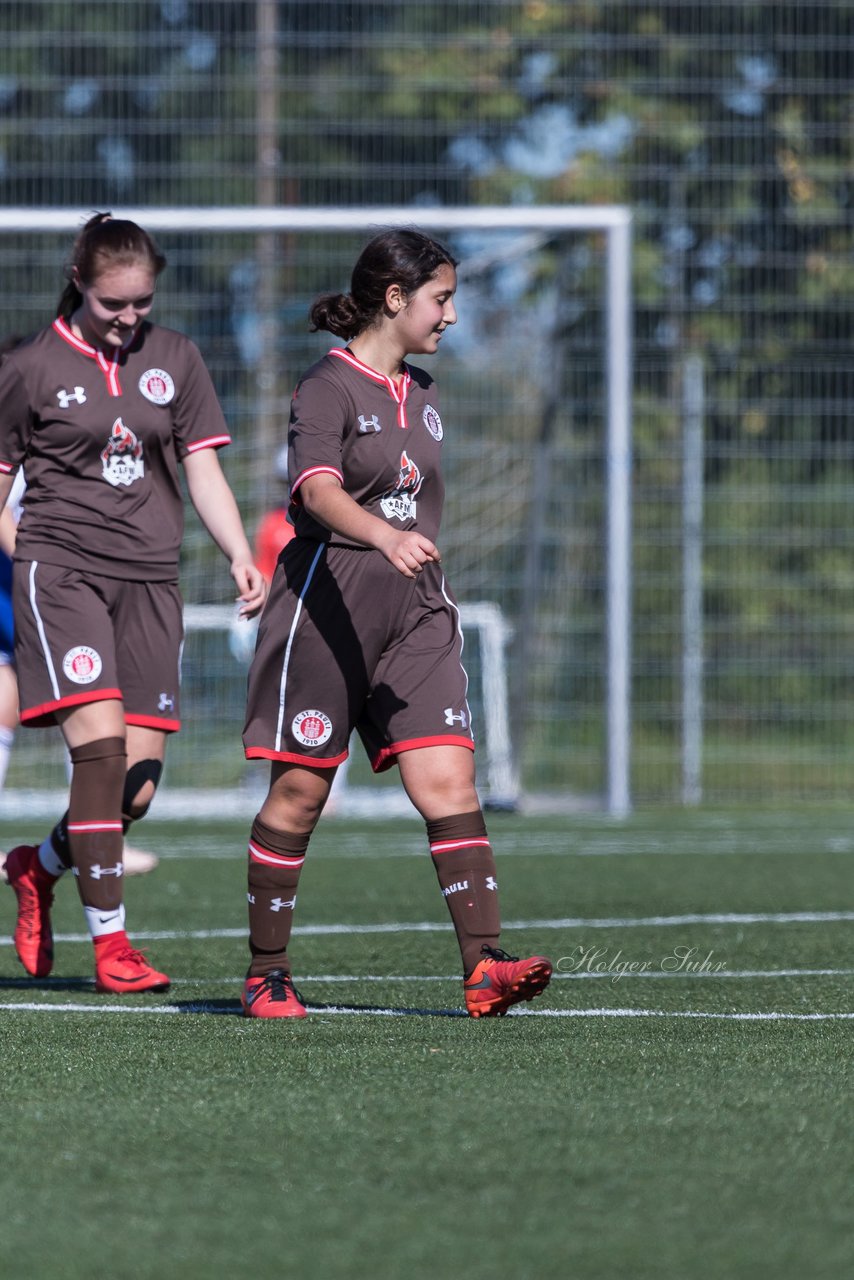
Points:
x=99 y=408
x=362 y=631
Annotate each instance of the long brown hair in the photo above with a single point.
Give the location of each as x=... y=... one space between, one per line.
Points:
x=102 y=243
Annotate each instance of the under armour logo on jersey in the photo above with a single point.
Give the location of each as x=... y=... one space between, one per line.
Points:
x=97 y=872
x=65 y=397
x=451 y=719
x=367 y=425
x=278 y=903
x=491 y=882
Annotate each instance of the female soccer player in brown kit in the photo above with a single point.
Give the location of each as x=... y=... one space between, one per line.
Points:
x=361 y=630
x=99 y=408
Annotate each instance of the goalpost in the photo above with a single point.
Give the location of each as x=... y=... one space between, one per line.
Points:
x=614 y=224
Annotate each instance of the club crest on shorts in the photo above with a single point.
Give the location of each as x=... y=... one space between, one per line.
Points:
x=82 y=664
x=157 y=386
x=121 y=457
x=433 y=422
x=311 y=728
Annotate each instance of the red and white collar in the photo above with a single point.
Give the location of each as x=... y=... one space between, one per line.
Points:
x=109 y=367
x=398 y=393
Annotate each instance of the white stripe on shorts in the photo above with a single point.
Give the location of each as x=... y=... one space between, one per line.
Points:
x=51 y=670
x=289 y=646
x=456 y=611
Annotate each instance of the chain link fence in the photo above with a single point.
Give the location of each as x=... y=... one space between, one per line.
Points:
x=725 y=128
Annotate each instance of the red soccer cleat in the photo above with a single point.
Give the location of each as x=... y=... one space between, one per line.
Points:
x=499 y=981
x=123 y=969
x=34 y=891
x=272 y=996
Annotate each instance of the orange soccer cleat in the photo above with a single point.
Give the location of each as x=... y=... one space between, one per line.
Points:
x=499 y=981
x=272 y=996
x=120 y=968
x=34 y=890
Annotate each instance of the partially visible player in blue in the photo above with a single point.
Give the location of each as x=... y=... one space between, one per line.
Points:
x=8 y=682
x=9 y=517
x=361 y=630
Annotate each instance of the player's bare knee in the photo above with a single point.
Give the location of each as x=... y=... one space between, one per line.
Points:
x=437 y=797
x=295 y=813
x=296 y=798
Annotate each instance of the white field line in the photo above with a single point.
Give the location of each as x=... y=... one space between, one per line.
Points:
x=544 y=845
x=641 y=850
x=329 y=979
x=430 y=926
x=613 y=977
x=417 y=978
x=214 y=1008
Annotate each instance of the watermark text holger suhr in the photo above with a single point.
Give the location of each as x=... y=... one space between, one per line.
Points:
x=601 y=962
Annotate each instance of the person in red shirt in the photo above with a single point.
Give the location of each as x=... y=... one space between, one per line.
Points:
x=275 y=530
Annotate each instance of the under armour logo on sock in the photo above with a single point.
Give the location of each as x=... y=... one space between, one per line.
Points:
x=97 y=872
x=278 y=903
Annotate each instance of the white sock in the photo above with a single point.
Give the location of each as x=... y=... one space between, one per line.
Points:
x=49 y=860
x=102 y=922
x=7 y=737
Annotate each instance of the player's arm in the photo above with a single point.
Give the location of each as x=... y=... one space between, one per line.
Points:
x=214 y=502
x=325 y=500
x=8 y=531
x=6 y=482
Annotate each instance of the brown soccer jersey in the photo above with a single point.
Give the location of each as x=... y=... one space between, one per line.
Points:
x=346 y=641
x=100 y=438
x=383 y=442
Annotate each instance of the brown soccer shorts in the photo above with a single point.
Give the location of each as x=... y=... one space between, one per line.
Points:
x=80 y=638
x=346 y=641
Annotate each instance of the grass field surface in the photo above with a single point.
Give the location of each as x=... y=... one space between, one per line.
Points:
x=676 y=1105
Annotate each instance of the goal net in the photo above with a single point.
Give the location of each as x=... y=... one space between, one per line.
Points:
x=535 y=392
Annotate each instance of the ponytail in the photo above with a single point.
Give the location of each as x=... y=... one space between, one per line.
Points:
x=405 y=257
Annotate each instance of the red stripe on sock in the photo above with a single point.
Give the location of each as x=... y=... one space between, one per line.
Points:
x=81 y=827
x=257 y=854
x=447 y=846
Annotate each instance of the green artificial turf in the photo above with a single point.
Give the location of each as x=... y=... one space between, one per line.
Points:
x=640 y=1120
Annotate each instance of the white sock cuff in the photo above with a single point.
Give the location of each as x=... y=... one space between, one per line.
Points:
x=102 y=922
x=49 y=860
